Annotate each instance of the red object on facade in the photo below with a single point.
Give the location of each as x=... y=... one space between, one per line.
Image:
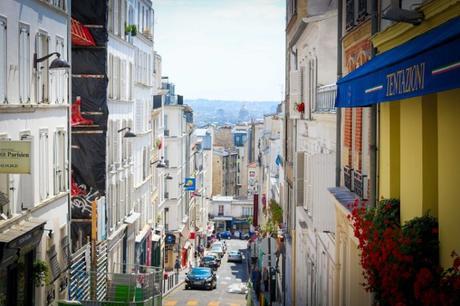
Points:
x=255 y=210
x=77 y=118
x=300 y=107
x=192 y=235
x=184 y=257
x=81 y=36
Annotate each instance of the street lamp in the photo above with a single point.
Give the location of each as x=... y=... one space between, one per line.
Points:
x=128 y=133
x=57 y=63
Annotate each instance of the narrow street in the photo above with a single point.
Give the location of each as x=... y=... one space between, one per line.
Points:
x=229 y=275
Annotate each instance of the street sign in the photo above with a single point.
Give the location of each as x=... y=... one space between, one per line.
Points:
x=170 y=239
x=15 y=156
x=190 y=184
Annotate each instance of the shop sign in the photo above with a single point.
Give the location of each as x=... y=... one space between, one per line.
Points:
x=170 y=239
x=15 y=156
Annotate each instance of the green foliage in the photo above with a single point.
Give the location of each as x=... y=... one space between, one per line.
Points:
x=131 y=29
x=276 y=212
x=41 y=273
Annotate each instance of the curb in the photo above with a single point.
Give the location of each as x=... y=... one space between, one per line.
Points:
x=174 y=288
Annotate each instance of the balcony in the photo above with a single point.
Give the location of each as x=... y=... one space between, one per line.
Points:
x=325 y=99
x=348 y=177
x=360 y=184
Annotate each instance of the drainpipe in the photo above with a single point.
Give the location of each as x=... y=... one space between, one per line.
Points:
x=373 y=184
x=338 y=151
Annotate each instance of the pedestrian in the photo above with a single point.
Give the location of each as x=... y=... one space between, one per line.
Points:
x=177 y=265
x=255 y=277
x=265 y=278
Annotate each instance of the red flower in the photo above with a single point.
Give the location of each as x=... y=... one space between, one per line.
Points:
x=300 y=107
x=457 y=263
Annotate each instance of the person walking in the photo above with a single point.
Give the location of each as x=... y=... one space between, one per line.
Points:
x=255 y=277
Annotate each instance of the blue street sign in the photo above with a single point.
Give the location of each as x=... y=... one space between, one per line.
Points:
x=190 y=184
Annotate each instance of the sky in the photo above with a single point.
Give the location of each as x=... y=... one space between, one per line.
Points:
x=222 y=49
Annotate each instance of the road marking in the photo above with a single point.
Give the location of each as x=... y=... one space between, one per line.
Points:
x=228 y=278
x=170 y=303
x=192 y=303
x=213 y=303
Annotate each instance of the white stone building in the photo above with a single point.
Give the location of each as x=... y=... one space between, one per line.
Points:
x=312 y=70
x=130 y=101
x=34 y=121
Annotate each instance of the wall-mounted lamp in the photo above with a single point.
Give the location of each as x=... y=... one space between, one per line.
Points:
x=57 y=63
x=128 y=133
x=161 y=163
x=168 y=176
x=50 y=233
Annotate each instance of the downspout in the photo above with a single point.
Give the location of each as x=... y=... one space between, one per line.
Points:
x=373 y=192
x=338 y=151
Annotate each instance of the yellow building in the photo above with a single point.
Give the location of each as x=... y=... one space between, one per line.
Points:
x=415 y=82
x=419 y=141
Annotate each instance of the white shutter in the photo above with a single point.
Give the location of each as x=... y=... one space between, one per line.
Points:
x=122 y=80
x=294 y=93
x=300 y=178
x=116 y=142
x=24 y=64
x=139 y=116
x=3 y=60
x=44 y=162
x=109 y=74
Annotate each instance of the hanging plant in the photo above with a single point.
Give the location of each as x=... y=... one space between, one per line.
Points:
x=300 y=107
x=41 y=273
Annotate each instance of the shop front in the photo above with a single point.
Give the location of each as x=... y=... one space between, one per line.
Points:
x=143 y=247
x=17 y=259
x=415 y=81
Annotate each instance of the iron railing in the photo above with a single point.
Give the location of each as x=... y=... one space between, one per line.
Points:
x=325 y=99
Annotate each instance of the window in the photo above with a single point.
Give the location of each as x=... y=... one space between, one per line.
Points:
x=3 y=73
x=60 y=160
x=43 y=164
x=291 y=9
x=247 y=211
x=221 y=210
x=350 y=14
x=130 y=81
x=111 y=15
x=58 y=77
x=42 y=49
x=139 y=116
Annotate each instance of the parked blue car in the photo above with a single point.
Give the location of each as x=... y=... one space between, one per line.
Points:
x=224 y=235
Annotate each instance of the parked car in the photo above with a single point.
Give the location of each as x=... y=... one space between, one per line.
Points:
x=222 y=244
x=246 y=236
x=235 y=256
x=209 y=261
x=216 y=257
x=217 y=249
x=201 y=278
x=224 y=235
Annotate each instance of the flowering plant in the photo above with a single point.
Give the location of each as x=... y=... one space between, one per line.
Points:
x=159 y=143
x=300 y=107
x=401 y=263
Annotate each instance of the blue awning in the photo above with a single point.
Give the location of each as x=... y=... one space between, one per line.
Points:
x=426 y=64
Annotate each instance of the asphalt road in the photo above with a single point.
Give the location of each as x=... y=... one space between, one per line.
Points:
x=228 y=274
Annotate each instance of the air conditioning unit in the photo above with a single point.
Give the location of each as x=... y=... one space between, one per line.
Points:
x=166 y=132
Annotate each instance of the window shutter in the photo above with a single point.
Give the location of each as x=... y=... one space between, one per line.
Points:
x=294 y=93
x=300 y=178
x=3 y=61
x=24 y=64
x=116 y=141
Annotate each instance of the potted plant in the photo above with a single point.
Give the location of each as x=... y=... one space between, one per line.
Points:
x=130 y=29
x=41 y=273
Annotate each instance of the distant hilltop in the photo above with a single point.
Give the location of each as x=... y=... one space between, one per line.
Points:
x=220 y=112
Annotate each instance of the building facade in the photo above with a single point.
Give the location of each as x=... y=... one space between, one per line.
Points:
x=34 y=122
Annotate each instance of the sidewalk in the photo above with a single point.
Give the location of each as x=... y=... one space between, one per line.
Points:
x=174 y=280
